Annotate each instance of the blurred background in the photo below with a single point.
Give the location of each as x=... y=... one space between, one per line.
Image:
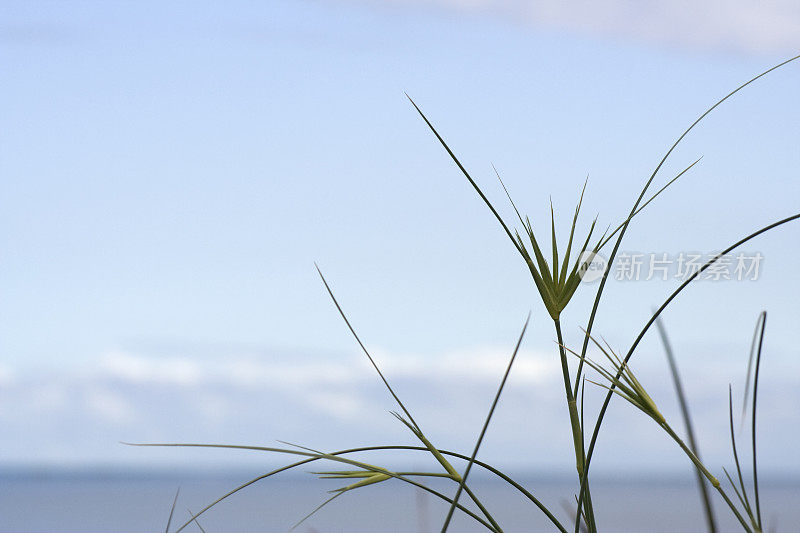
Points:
x=172 y=171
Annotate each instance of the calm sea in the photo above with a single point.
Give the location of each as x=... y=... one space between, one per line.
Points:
x=38 y=502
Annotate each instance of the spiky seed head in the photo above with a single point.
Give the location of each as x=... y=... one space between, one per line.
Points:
x=375 y=477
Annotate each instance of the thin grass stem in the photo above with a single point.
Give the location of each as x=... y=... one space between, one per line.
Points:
x=462 y=483
x=711 y=478
x=755 y=398
x=172 y=510
x=194 y=519
x=687 y=420
x=575 y=426
x=745 y=501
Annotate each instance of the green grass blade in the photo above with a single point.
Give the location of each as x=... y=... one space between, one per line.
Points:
x=519 y=216
x=172 y=510
x=489 y=468
x=317 y=508
x=464 y=171
x=331 y=457
x=747 y=506
x=750 y=360
x=364 y=348
x=753 y=424
x=554 y=244
x=565 y=265
x=607 y=238
x=687 y=421
x=565 y=505
x=735 y=490
x=194 y=519
x=467 y=470
x=544 y=269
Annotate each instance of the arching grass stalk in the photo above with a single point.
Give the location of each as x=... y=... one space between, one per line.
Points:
x=618 y=242
x=311 y=457
x=319 y=455
x=647 y=326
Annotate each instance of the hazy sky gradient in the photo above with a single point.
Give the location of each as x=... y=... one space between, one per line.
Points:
x=172 y=172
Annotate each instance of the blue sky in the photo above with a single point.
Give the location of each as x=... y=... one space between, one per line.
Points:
x=173 y=171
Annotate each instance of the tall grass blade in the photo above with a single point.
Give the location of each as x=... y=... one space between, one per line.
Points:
x=485 y=427
x=364 y=348
x=745 y=500
x=750 y=360
x=565 y=264
x=466 y=174
x=172 y=510
x=733 y=486
x=687 y=421
x=194 y=519
x=416 y=429
x=755 y=398
x=567 y=507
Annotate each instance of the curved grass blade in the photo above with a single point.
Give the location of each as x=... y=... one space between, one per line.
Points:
x=194 y=519
x=467 y=470
x=489 y=468
x=755 y=398
x=314 y=456
x=646 y=203
x=750 y=360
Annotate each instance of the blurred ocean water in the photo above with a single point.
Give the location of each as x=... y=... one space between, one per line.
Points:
x=91 y=502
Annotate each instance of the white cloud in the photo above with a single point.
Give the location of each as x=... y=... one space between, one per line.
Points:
x=474 y=365
x=769 y=26
x=338 y=402
x=170 y=370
